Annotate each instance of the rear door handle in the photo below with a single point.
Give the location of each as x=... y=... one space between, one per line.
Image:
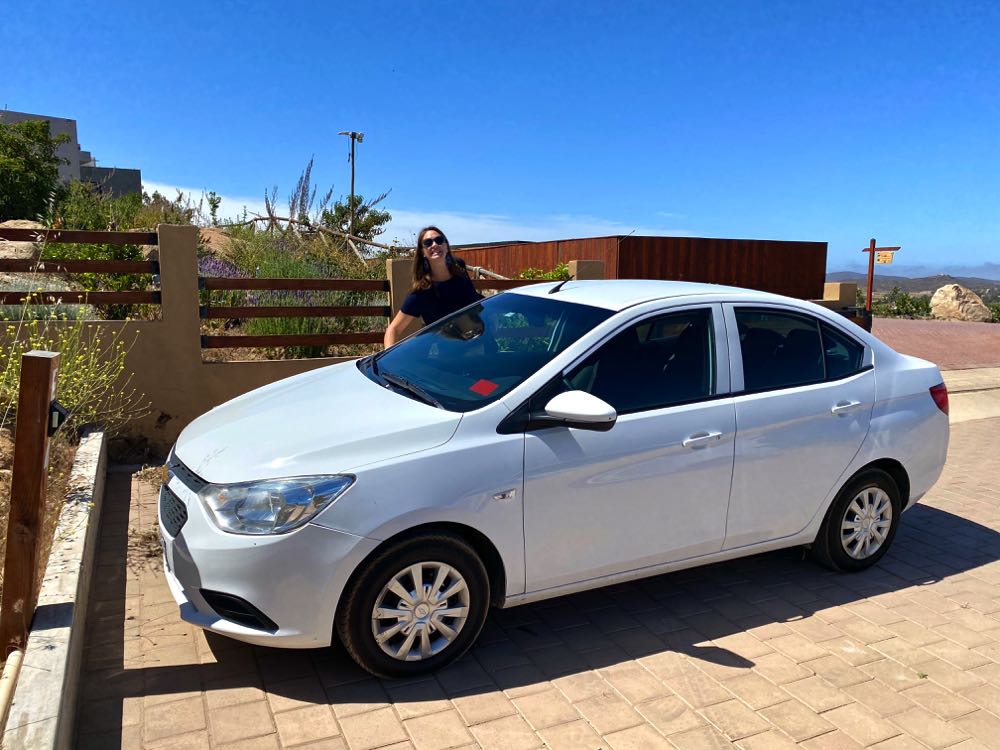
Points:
x=845 y=407
x=701 y=438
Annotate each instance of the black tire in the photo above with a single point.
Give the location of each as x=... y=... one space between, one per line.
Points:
x=829 y=547
x=354 y=617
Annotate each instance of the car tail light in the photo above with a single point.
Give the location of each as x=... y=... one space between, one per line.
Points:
x=939 y=393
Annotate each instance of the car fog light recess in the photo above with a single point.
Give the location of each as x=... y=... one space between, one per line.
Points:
x=272 y=506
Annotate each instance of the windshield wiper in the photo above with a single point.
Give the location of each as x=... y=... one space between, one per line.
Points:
x=416 y=390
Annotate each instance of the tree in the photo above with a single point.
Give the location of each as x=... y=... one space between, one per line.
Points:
x=29 y=168
x=369 y=222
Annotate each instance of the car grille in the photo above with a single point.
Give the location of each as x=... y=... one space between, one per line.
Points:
x=173 y=512
x=190 y=480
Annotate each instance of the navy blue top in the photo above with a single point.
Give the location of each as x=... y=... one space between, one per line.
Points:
x=441 y=299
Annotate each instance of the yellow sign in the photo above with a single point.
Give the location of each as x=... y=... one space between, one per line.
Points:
x=884 y=257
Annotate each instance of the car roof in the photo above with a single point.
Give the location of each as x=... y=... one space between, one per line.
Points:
x=618 y=294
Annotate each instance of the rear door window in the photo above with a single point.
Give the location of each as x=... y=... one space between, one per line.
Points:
x=779 y=349
x=844 y=356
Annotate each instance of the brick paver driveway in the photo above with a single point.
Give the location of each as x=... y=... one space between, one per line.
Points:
x=766 y=652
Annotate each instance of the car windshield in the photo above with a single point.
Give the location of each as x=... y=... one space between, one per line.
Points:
x=477 y=355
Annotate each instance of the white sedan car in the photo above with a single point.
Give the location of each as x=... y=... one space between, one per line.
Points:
x=540 y=442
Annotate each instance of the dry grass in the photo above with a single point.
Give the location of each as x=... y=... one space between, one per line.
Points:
x=61 y=455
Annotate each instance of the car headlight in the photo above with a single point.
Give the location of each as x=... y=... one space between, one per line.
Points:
x=272 y=506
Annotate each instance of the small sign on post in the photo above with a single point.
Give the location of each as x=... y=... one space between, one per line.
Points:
x=27 y=496
x=881 y=255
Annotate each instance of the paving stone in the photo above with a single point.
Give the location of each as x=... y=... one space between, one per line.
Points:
x=372 y=729
x=581 y=685
x=608 y=712
x=637 y=738
x=510 y=733
x=796 y=720
x=755 y=691
x=228 y=691
x=309 y=724
x=670 y=715
x=698 y=689
x=357 y=697
x=299 y=692
x=767 y=741
x=240 y=722
x=546 y=709
x=704 y=738
x=861 y=724
x=417 y=698
x=879 y=697
x=734 y=719
x=576 y=735
x=780 y=669
x=634 y=682
x=835 y=740
x=175 y=717
x=944 y=703
x=476 y=708
x=928 y=728
x=817 y=693
x=902 y=742
x=437 y=731
x=267 y=742
x=797 y=648
x=892 y=673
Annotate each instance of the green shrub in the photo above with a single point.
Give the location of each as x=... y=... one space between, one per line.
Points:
x=900 y=304
x=86 y=208
x=286 y=253
x=559 y=273
x=92 y=382
x=995 y=312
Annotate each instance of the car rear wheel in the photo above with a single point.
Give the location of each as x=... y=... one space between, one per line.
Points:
x=861 y=522
x=417 y=606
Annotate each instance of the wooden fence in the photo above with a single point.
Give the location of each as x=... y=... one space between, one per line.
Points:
x=207 y=311
x=76 y=267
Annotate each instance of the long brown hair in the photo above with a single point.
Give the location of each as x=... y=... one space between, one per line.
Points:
x=422 y=266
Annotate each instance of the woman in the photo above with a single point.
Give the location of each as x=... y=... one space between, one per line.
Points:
x=441 y=285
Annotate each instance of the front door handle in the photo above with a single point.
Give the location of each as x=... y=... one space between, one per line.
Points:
x=701 y=438
x=845 y=407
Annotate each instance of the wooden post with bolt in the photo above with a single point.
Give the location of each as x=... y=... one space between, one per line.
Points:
x=27 y=497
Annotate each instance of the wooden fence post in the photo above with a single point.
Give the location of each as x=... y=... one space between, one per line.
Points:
x=27 y=497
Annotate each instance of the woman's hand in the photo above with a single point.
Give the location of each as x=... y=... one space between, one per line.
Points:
x=396 y=328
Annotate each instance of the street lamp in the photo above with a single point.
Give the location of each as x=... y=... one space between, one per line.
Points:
x=355 y=138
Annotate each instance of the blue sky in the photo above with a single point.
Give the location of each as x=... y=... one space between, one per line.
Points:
x=835 y=121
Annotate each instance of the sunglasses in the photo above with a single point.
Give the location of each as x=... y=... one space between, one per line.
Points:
x=439 y=240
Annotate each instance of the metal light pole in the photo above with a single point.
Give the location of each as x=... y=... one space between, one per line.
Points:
x=355 y=137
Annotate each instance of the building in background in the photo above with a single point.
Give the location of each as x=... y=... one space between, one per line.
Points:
x=79 y=164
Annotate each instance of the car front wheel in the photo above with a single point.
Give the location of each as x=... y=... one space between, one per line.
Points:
x=861 y=523
x=417 y=606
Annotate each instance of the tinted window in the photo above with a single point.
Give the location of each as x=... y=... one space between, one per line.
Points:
x=477 y=355
x=657 y=363
x=779 y=349
x=843 y=354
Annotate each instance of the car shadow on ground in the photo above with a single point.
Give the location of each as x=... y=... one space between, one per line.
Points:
x=666 y=622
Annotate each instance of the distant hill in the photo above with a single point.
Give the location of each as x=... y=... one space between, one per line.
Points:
x=922 y=285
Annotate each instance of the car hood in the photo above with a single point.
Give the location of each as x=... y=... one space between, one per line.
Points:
x=326 y=421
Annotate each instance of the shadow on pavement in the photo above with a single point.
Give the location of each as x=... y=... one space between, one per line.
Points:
x=667 y=622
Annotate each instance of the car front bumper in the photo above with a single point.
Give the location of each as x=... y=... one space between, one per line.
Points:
x=295 y=579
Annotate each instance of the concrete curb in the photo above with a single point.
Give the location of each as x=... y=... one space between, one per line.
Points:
x=44 y=708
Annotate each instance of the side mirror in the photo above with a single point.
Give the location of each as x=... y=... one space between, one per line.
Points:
x=581 y=410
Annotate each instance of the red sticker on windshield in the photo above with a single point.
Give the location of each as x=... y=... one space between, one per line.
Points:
x=483 y=387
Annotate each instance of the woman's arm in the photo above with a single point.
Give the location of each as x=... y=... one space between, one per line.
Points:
x=395 y=329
